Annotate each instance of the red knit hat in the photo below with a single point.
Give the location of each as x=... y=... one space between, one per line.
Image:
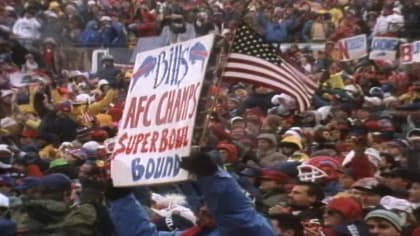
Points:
x=269 y=174
x=232 y=152
x=348 y=207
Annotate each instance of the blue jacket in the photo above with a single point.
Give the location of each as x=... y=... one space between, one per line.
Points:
x=274 y=32
x=7 y=227
x=90 y=36
x=233 y=211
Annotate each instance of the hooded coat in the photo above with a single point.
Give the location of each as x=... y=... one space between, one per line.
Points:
x=271 y=157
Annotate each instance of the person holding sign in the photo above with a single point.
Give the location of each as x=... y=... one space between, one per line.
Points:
x=232 y=211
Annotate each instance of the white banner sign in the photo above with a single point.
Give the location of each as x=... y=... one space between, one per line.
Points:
x=353 y=48
x=384 y=48
x=410 y=52
x=158 y=120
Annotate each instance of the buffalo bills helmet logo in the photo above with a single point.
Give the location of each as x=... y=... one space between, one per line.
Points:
x=198 y=52
x=144 y=69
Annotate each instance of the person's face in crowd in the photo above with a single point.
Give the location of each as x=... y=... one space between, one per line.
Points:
x=238 y=133
x=390 y=149
x=332 y=217
x=25 y=140
x=299 y=196
x=369 y=200
x=346 y=181
x=395 y=182
x=362 y=114
x=379 y=227
x=287 y=150
x=108 y=63
x=240 y=93
x=5 y=189
x=334 y=68
x=264 y=144
x=267 y=185
x=231 y=105
x=239 y=124
x=251 y=115
x=204 y=218
x=221 y=109
x=414 y=193
x=253 y=128
x=387 y=11
x=224 y=154
x=28 y=15
x=335 y=134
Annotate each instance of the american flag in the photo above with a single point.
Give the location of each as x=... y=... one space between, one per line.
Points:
x=255 y=61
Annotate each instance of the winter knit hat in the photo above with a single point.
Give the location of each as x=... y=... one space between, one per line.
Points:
x=232 y=152
x=389 y=216
x=347 y=206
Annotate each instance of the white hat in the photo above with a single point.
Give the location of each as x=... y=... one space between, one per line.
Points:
x=236 y=118
x=91 y=3
x=50 y=14
x=4 y=201
x=103 y=82
x=5 y=148
x=374 y=156
x=106 y=18
x=7 y=122
x=9 y=8
x=393 y=203
x=91 y=146
x=83 y=99
x=5 y=93
x=226 y=31
x=396 y=10
x=372 y=101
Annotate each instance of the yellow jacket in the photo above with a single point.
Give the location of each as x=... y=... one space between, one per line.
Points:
x=93 y=109
x=409 y=97
x=48 y=152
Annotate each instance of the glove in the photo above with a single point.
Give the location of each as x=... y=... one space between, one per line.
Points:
x=132 y=26
x=200 y=164
x=113 y=193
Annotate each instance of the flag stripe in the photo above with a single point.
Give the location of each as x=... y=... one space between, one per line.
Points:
x=264 y=81
x=254 y=60
x=269 y=68
x=262 y=78
x=261 y=72
x=302 y=77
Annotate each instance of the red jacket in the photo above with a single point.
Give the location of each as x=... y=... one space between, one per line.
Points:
x=148 y=27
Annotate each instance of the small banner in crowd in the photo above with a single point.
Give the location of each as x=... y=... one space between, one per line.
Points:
x=410 y=52
x=160 y=109
x=384 y=48
x=352 y=48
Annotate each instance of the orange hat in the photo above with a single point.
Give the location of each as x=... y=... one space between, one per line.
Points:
x=232 y=151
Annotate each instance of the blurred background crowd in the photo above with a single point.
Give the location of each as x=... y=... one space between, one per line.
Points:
x=347 y=166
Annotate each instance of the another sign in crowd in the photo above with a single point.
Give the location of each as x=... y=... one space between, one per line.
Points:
x=302 y=141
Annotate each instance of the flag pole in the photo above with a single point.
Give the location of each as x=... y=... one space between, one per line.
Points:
x=212 y=99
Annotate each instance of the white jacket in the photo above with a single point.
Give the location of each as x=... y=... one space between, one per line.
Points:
x=27 y=28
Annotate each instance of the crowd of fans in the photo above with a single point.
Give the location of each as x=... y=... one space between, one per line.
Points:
x=347 y=166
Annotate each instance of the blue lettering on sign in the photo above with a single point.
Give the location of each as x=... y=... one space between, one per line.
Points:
x=155 y=168
x=416 y=47
x=384 y=44
x=356 y=43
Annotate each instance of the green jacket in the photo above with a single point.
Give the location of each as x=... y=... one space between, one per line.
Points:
x=55 y=218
